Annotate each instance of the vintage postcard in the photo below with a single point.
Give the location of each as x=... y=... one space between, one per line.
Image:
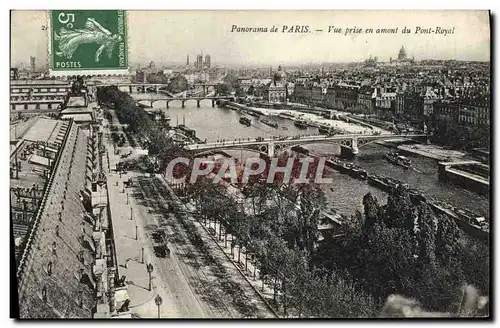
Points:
x=250 y=164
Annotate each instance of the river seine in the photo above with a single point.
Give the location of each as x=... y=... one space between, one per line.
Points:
x=345 y=194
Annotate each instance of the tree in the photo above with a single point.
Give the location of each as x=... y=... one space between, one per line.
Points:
x=177 y=84
x=251 y=90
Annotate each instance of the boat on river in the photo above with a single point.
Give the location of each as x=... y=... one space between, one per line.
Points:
x=470 y=222
x=301 y=124
x=386 y=184
x=251 y=113
x=286 y=115
x=328 y=129
x=245 y=121
x=397 y=159
x=349 y=168
x=269 y=123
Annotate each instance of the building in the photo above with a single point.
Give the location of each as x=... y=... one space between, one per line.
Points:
x=385 y=101
x=33 y=64
x=402 y=54
x=302 y=93
x=346 y=96
x=141 y=76
x=366 y=99
x=412 y=104
x=399 y=109
x=474 y=113
x=318 y=95
x=330 y=97
x=371 y=62
x=402 y=59
x=14 y=74
x=199 y=62
x=446 y=110
x=63 y=271
x=276 y=91
x=207 y=61
x=428 y=98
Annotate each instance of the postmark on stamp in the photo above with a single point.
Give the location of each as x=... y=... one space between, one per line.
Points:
x=88 y=42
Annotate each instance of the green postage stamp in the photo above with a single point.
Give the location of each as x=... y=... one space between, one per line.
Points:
x=88 y=42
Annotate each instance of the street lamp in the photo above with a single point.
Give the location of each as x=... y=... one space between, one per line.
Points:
x=150 y=269
x=158 y=302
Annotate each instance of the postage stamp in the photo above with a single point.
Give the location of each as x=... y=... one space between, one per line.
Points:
x=83 y=40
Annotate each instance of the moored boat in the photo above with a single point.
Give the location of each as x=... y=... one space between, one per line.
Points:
x=301 y=124
x=255 y=114
x=397 y=159
x=269 y=123
x=245 y=121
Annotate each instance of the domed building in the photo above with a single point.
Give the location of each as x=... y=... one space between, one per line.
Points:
x=276 y=90
x=402 y=53
x=402 y=59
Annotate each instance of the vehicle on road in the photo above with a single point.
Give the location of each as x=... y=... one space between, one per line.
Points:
x=160 y=245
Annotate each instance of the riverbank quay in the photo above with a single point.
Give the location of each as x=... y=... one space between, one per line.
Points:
x=311 y=118
x=430 y=151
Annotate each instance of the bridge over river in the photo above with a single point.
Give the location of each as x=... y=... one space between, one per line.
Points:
x=149 y=102
x=271 y=146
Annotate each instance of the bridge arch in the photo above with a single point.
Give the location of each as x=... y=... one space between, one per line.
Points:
x=180 y=100
x=281 y=147
x=259 y=149
x=208 y=101
x=144 y=102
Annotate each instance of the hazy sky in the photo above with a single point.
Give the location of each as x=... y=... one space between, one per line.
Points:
x=167 y=36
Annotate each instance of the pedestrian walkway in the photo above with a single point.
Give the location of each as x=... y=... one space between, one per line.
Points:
x=129 y=244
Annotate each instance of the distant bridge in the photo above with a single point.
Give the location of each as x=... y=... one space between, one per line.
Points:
x=183 y=100
x=269 y=147
x=155 y=87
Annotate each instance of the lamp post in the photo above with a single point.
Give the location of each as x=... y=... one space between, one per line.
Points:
x=158 y=302
x=150 y=269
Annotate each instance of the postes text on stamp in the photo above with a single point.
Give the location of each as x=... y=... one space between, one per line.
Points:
x=88 y=40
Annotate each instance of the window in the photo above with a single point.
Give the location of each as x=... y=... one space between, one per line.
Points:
x=44 y=293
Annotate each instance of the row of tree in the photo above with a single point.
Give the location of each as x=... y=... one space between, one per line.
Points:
x=397 y=248
x=459 y=136
x=153 y=137
x=279 y=237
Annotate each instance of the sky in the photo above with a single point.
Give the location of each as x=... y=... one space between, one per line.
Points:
x=166 y=37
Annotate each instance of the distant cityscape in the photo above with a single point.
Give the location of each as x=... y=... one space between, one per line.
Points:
x=403 y=86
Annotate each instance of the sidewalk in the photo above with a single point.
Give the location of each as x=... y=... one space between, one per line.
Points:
x=128 y=246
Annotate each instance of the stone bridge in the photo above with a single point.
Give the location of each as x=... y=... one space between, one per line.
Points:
x=214 y=99
x=350 y=143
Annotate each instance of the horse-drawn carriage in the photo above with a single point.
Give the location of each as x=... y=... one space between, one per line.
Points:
x=160 y=245
x=128 y=183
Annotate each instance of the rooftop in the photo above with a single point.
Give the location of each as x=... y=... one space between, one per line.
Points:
x=55 y=276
